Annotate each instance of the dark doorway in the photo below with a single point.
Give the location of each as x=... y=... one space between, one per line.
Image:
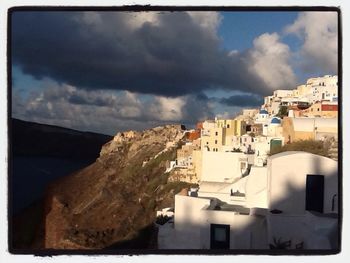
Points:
x=314 y=193
x=219 y=236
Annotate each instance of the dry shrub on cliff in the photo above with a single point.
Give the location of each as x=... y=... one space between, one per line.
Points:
x=311 y=146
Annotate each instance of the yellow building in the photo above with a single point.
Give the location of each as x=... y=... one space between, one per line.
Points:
x=214 y=139
x=235 y=127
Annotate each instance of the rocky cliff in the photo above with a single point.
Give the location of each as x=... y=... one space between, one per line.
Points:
x=114 y=199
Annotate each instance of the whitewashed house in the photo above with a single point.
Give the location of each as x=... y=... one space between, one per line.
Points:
x=294 y=191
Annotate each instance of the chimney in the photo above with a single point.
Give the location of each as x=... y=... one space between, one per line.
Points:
x=291 y=113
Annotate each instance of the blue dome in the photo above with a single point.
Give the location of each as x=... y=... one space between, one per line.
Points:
x=263 y=112
x=275 y=121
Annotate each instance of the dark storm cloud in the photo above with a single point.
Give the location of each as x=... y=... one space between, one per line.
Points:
x=242 y=100
x=175 y=56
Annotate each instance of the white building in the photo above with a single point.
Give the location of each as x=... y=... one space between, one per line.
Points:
x=281 y=93
x=275 y=201
x=207 y=125
x=263 y=146
x=322 y=88
x=262 y=117
x=315 y=90
x=273 y=127
x=223 y=167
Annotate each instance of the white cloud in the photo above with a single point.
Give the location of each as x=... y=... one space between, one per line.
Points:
x=207 y=20
x=167 y=109
x=133 y=106
x=269 y=59
x=137 y=19
x=104 y=111
x=319 y=31
x=233 y=53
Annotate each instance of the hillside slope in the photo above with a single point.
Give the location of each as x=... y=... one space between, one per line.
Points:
x=114 y=199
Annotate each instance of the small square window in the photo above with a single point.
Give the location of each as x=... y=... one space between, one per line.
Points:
x=220 y=234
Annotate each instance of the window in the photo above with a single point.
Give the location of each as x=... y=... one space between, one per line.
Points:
x=314 y=193
x=216 y=133
x=216 y=141
x=228 y=125
x=219 y=236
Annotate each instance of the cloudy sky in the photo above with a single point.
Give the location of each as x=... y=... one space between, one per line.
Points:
x=112 y=71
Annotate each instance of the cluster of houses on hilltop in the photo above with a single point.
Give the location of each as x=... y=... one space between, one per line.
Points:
x=245 y=198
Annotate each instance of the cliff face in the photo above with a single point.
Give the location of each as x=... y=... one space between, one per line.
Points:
x=113 y=199
x=40 y=154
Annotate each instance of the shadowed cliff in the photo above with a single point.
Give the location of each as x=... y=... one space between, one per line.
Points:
x=115 y=198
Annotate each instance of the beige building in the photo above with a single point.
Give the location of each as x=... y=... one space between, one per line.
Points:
x=303 y=128
x=250 y=112
x=322 y=109
x=280 y=93
x=183 y=174
x=302 y=90
x=197 y=163
x=256 y=129
x=184 y=153
x=187 y=165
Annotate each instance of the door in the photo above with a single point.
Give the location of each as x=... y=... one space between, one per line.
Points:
x=219 y=236
x=314 y=193
x=275 y=145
